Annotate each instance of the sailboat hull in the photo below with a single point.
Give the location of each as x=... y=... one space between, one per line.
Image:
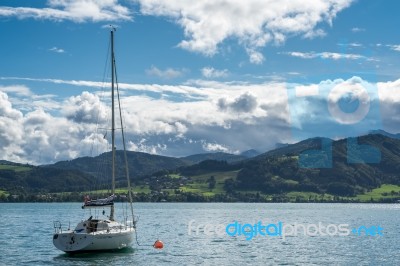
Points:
x=72 y=242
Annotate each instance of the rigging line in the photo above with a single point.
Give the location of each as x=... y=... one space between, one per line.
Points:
x=124 y=145
x=137 y=240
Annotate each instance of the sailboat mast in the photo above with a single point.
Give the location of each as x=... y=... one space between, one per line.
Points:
x=112 y=121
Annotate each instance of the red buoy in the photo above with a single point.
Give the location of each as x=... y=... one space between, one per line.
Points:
x=158 y=244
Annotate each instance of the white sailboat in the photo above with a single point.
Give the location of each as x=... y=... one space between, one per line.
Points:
x=94 y=234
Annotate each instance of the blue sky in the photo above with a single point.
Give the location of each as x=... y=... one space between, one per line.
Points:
x=195 y=77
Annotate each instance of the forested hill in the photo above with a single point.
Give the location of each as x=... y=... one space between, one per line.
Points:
x=278 y=171
x=139 y=164
x=24 y=178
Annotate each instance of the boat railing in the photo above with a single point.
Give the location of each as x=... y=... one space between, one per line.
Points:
x=57 y=227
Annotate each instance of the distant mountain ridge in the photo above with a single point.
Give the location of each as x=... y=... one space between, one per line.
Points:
x=217 y=156
x=276 y=171
x=311 y=143
x=220 y=156
x=384 y=133
x=143 y=163
x=250 y=153
x=139 y=164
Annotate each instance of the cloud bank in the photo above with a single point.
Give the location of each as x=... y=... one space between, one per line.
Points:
x=207 y=24
x=209 y=116
x=73 y=10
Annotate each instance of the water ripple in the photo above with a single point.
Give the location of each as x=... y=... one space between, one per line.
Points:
x=26 y=235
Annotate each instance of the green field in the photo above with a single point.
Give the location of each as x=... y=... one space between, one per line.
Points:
x=383 y=192
x=386 y=191
x=4 y=193
x=15 y=168
x=139 y=189
x=200 y=183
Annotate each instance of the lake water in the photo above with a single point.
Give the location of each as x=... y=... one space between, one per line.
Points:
x=26 y=235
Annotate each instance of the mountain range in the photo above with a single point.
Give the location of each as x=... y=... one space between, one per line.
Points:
x=345 y=167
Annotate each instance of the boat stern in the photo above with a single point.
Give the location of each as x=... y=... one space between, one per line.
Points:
x=71 y=241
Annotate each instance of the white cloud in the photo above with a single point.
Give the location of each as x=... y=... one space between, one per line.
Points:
x=210 y=72
x=40 y=137
x=302 y=55
x=6 y=109
x=168 y=73
x=215 y=147
x=326 y=55
x=310 y=90
x=356 y=29
x=85 y=108
x=315 y=33
x=336 y=56
x=352 y=44
x=51 y=138
x=24 y=100
x=394 y=47
x=255 y=57
x=11 y=130
x=57 y=50
x=20 y=90
x=141 y=146
x=187 y=91
x=253 y=23
x=74 y=10
x=244 y=103
x=389 y=97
